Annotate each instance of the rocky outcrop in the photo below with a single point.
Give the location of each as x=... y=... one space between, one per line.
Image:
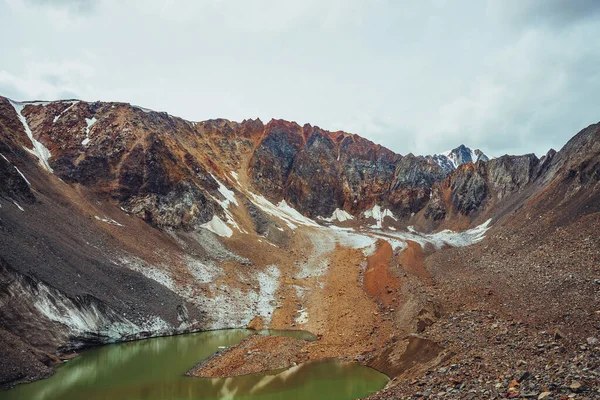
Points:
x=255 y=354
x=367 y=170
x=274 y=156
x=411 y=187
x=313 y=185
x=137 y=157
x=14 y=184
x=508 y=174
x=318 y=171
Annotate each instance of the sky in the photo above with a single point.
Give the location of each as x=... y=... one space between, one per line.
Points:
x=505 y=76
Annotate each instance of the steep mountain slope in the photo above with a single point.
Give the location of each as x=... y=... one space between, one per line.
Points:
x=118 y=223
x=522 y=306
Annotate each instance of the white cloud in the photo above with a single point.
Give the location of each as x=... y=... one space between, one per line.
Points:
x=550 y=13
x=531 y=85
x=48 y=81
x=257 y=15
x=62 y=14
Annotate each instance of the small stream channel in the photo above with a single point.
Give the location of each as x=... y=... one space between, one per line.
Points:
x=154 y=369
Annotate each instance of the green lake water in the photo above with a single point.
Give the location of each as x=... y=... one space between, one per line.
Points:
x=154 y=369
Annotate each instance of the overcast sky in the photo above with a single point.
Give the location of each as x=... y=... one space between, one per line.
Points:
x=415 y=76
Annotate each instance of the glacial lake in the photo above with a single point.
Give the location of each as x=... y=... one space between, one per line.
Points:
x=154 y=369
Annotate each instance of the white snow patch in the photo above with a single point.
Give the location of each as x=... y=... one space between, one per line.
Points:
x=67 y=313
x=150 y=272
x=295 y=215
x=316 y=265
x=300 y=291
x=473 y=155
x=146 y=110
x=83 y=318
x=268 y=282
x=369 y=250
x=235 y=177
x=217 y=226
x=18 y=206
x=229 y=199
x=22 y=176
x=89 y=122
x=108 y=220
x=302 y=317
x=451 y=157
x=19 y=171
x=228 y=194
x=204 y=272
x=459 y=239
x=339 y=215
x=352 y=239
x=233 y=307
x=229 y=307
x=39 y=150
x=438 y=239
x=65 y=110
x=283 y=211
x=378 y=215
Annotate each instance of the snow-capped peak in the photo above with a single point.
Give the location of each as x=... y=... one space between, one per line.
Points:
x=449 y=160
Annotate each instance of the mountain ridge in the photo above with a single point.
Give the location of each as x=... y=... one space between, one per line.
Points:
x=256 y=120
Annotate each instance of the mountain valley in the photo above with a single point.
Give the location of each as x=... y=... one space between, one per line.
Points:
x=457 y=275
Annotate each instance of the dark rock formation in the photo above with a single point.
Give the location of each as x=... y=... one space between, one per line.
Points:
x=314 y=184
x=13 y=185
x=508 y=174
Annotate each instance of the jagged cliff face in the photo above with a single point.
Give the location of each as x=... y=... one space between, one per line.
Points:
x=118 y=222
x=319 y=171
x=151 y=161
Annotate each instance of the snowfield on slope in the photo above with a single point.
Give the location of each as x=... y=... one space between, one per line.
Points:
x=39 y=150
x=85 y=318
x=349 y=237
x=289 y=215
x=216 y=224
x=89 y=122
x=218 y=227
x=378 y=214
x=437 y=239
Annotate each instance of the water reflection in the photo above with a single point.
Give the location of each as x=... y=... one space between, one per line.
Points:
x=154 y=368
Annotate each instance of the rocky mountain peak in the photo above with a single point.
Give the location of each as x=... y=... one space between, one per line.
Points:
x=450 y=160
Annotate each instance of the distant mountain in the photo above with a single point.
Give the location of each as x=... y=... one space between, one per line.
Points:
x=449 y=160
